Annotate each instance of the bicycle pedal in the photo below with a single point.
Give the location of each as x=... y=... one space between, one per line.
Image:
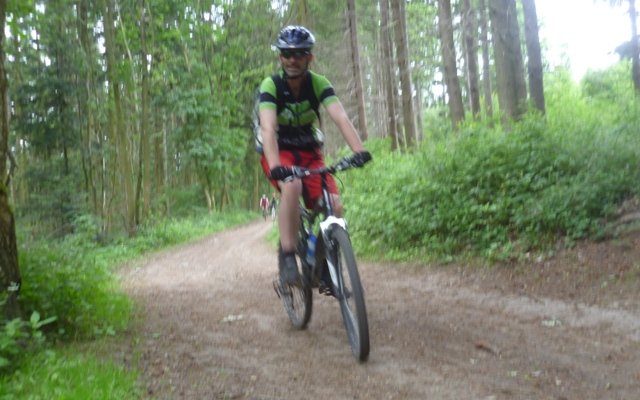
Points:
x=325 y=290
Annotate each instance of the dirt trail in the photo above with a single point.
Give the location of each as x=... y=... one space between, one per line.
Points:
x=213 y=328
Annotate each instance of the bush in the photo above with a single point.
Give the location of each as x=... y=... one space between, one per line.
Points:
x=498 y=194
x=71 y=284
x=18 y=336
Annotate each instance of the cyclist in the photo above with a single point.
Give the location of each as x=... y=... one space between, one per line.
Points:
x=264 y=205
x=290 y=137
x=273 y=205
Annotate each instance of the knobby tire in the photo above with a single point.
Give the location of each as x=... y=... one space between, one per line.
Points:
x=350 y=294
x=299 y=300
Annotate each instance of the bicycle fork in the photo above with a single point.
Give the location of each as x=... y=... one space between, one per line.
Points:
x=331 y=256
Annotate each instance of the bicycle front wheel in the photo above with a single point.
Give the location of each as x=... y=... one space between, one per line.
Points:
x=349 y=293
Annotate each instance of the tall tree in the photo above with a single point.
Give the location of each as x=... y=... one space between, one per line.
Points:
x=9 y=267
x=144 y=170
x=534 y=56
x=355 y=64
x=486 y=65
x=456 y=107
x=86 y=116
x=512 y=92
x=470 y=32
x=387 y=73
x=402 y=46
x=116 y=122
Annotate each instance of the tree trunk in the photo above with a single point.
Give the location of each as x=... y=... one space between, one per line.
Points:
x=303 y=13
x=85 y=97
x=534 y=57
x=445 y=28
x=387 y=62
x=471 y=47
x=145 y=150
x=355 y=63
x=158 y=156
x=635 y=47
x=402 y=47
x=419 y=115
x=512 y=92
x=10 y=279
x=116 y=125
x=486 y=66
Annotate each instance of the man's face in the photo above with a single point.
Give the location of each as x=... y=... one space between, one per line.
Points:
x=295 y=62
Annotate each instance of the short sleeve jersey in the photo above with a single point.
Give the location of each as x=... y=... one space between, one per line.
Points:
x=296 y=117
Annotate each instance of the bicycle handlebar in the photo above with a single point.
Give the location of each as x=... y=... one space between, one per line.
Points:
x=343 y=164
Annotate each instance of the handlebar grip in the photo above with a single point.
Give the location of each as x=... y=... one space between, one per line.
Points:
x=300 y=172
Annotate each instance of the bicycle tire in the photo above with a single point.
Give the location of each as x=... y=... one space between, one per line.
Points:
x=298 y=300
x=297 y=303
x=350 y=294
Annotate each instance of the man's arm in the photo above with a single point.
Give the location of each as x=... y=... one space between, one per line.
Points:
x=268 y=127
x=339 y=116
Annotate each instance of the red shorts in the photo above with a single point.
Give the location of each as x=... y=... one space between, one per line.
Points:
x=311 y=185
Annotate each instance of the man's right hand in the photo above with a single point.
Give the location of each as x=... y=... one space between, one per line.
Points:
x=359 y=159
x=280 y=173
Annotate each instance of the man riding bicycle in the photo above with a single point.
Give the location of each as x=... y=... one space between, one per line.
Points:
x=290 y=136
x=264 y=205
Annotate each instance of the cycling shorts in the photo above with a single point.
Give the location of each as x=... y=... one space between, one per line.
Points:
x=311 y=185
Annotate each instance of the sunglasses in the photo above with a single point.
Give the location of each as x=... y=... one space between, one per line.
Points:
x=298 y=54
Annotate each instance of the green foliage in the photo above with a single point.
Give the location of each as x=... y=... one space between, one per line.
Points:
x=170 y=232
x=610 y=85
x=18 y=336
x=69 y=282
x=498 y=194
x=62 y=375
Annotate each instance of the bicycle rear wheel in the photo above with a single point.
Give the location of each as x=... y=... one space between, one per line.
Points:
x=297 y=303
x=350 y=294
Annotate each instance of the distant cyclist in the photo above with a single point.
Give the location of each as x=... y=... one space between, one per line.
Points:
x=273 y=206
x=290 y=136
x=264 y=206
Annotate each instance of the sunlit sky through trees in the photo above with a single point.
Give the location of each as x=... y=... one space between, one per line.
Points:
x=582 y=33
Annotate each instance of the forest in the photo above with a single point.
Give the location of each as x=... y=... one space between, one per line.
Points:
x=126 y=127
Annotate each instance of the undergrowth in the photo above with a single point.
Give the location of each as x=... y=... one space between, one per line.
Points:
x=70 y=294
x=498 y=193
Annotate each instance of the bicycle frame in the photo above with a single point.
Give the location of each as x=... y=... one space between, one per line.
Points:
x=325 y=209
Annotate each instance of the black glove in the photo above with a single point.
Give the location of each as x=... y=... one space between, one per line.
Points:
x=280 y=173
x=361 y=158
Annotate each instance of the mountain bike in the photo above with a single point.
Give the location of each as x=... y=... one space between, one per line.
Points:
x=331 y=267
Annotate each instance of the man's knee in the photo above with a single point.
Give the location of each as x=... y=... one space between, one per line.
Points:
x=291 y=188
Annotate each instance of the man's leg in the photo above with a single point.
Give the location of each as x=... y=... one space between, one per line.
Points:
x=289 y=222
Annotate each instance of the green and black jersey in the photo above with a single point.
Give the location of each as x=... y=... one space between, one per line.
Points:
x=297 y=117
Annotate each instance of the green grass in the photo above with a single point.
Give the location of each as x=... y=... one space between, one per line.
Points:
x=60 y=374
